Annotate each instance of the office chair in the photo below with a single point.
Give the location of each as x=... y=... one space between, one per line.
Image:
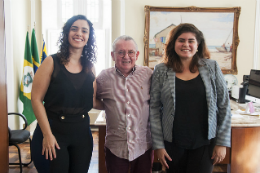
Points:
x=17 y=137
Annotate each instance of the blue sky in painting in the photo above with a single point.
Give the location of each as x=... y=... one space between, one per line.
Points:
x=226 y=17
x=216 y=27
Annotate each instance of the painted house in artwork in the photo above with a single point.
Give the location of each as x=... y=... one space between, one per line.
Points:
x=160 y=39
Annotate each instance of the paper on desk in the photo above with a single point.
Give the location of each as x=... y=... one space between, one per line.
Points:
x=236 y=116
x=246 y=113
x=101 y=118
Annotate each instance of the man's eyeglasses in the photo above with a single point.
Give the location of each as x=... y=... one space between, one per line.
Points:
x=130 y=53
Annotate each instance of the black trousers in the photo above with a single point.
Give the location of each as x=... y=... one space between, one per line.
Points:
x=190 y=160
x=76 y=146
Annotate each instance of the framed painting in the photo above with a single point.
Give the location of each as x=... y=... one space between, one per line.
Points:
x=219 y=26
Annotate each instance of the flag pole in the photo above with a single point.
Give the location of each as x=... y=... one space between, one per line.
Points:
x=34 y=27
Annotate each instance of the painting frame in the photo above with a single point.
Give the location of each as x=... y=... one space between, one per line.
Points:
x=200 y=10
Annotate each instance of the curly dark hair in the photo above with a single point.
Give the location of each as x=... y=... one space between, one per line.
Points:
x=171 y=58
x=89 y=52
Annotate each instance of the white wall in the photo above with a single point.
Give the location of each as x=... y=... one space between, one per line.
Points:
x=19 y=15
x=135 y=17
x=9 y=59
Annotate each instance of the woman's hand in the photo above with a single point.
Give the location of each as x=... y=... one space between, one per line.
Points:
x=161 y=154
x=219 y=153
x=48 y=146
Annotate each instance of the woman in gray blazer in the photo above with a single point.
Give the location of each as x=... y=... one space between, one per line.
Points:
x=189 y=108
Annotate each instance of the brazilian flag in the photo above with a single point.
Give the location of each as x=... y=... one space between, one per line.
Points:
x=44 y=51
x=35 y=55
x=26 y=83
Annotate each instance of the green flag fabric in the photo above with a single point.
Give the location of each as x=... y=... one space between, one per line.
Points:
x=34 y=49
x=26 y=83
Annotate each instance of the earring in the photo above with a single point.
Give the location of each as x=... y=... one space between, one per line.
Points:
x=197 y=50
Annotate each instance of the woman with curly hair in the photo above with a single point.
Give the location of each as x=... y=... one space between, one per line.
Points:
x=65 y=82
x=190 y=115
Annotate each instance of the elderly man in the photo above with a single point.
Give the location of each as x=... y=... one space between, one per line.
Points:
x=124 y=90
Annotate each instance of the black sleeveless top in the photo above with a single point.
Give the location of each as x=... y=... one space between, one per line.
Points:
x=69 y=93
x=190 y=125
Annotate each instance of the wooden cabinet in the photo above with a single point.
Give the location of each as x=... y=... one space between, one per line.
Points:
x=4 y=140
x=244 y=154
x=245 y=150
x=101 y=152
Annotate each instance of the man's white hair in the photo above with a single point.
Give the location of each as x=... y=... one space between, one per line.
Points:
x=126 y=38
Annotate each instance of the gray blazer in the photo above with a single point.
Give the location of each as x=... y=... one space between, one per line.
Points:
x=162 y=103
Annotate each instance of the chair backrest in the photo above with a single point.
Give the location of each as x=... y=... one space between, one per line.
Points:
x=17 y=137
x=9 y=133
x=20 y=115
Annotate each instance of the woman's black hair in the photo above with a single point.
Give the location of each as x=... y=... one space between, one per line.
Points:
x=89 y=52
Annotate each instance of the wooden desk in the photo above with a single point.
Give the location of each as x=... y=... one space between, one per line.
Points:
x=244 y=154
x=245 y=150
x=101 y=124
x=242 y=157
x=101 y=153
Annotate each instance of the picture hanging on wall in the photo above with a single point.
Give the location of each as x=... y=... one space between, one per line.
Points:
x=219 y=26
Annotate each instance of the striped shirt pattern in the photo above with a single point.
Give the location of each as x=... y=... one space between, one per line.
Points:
x=162 y=103
x=126 y=101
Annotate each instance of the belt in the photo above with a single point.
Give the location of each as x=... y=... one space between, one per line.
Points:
x=70 y=118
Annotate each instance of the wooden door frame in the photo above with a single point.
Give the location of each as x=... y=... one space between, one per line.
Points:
x=4 y=140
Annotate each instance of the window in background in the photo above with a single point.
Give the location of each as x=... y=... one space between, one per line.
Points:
x=67 y=10
x=101 y=60
x=93 y=10
x=56 y=12
x=256 y=61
